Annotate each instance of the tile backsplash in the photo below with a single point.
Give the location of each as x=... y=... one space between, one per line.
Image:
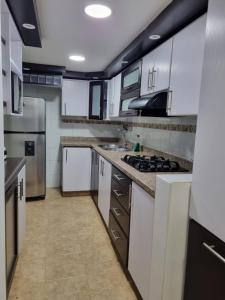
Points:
x=179 y=143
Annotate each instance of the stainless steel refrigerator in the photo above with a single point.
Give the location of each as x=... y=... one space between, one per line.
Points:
x=26 y=137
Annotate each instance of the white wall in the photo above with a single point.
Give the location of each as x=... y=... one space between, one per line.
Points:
x=2 y=193
x=55 y=128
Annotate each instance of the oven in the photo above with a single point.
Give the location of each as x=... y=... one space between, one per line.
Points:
x=131 y=78
x=130 y=88
x=11 y=231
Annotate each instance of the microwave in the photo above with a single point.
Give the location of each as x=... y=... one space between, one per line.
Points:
x=16 y=93
x=131 y=78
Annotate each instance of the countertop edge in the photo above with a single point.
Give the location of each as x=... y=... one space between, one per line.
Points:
x=104 y=155
x=19 y=164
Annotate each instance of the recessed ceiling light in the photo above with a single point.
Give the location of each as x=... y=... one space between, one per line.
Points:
x=98 y=11
x=77 y=57
x=29 y=26
x=26 y=69
x=154 y=37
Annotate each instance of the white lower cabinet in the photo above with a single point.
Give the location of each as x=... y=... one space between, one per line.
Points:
x=141 y=231
x=76 y=169
x=104 y=192
x=21 y=207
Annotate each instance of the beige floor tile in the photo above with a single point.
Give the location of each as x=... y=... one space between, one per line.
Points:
x=67 y=254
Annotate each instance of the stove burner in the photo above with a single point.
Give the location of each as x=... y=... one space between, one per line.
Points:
x=152 y=164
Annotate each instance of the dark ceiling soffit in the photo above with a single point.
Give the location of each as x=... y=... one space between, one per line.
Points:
x=43 y=69
x=84 y=75
x=172 y=19
x=25 y=11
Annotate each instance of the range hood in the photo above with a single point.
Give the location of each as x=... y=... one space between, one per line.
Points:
x=152 y=105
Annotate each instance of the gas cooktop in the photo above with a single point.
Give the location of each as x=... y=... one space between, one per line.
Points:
x=152 y=164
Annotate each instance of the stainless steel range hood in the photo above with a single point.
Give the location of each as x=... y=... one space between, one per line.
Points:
x=152 y=105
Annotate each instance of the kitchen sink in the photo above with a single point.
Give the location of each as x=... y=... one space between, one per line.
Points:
x=114 y=147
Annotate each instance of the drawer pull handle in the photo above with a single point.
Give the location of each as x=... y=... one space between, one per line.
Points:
x=118 y=177
x=211 y=250
x=116 y=192
x=117 y=211
x=115 y=234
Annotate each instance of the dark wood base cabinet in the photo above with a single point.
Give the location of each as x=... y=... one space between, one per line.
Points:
x=205 y=271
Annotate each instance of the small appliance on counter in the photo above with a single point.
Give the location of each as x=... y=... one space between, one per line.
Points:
x=25 y=137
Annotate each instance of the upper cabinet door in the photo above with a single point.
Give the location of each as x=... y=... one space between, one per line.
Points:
x=75 y=95
x=156 y=69
x=161 y=70
x=186 y=70
x=117 y=93
x=96 y=98
x=114 y=96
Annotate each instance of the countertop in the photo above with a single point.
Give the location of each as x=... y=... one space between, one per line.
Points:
x=12 y=169
x=146 y=180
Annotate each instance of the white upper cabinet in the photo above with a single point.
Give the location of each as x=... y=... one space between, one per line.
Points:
x=11 y=44
x=75 y=97
x=114 y=96
x=76 y=169
x=156 y=69
x=186 y=69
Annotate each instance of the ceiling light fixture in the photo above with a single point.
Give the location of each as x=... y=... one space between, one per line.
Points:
x=29 y=26
x=154 y=37
x=98 y=11
x=78 y=58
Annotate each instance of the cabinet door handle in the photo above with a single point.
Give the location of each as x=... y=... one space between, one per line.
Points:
x=169 y=101
x=103 y=167
x=117 y=211
x=118 y=177
x=3 y=40
x=21 y=189
x=149 y=79
x=116 y=235
x=153 y=77
x=66 y=154
x=130 y=194
x=211 y=248
x=116 y=192
x=65 y=108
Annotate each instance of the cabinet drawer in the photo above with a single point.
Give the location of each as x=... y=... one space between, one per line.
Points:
x=120 y=215
x=119 y=239
x=205 y=271
x=122 y=194
x=118 y=176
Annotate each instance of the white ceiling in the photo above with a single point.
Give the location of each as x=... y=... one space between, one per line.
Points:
x=66 y=30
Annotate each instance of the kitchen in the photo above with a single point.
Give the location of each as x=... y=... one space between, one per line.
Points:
x=94 y=121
